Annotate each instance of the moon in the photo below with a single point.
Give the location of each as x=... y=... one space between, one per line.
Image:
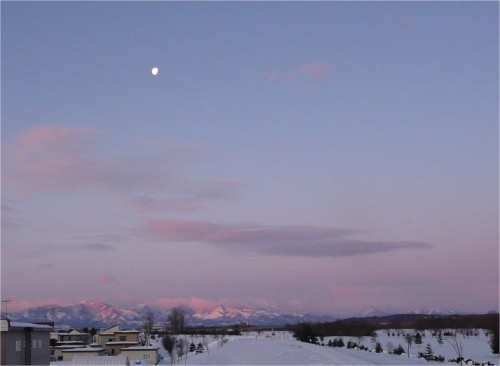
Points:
x=155 y=71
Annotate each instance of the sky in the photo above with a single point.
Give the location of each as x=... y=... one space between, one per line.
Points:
x=329 y=157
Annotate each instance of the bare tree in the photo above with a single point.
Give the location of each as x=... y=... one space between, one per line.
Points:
x=409 y=341
x=186 y=349
x=149 y=323
x=177 y=320
x=456 y=344
x=360 y=339
x=169 y=344
x=205 y=343
x=180 y=349
x=390 y=347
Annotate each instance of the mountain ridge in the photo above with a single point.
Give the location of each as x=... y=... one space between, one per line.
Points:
x=88 y=313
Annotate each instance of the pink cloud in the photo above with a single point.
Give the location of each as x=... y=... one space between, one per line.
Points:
x=200 y=304
x=196 y=303
x=178 y=205
x=49 y=158
x=308 y=71
x=54 y=159
x=314 y=71
x=299 y=240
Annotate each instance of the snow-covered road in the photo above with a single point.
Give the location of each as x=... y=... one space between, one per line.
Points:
x=276 y=351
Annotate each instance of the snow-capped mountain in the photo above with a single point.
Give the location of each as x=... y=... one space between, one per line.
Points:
x=85 y=313
x=99 y=314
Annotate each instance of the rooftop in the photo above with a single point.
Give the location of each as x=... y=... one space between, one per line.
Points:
x=30 y=325
x=85 y=349
x=140 y=348
x=100 y=360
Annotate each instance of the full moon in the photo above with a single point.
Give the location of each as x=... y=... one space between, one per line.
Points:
x=155 y=71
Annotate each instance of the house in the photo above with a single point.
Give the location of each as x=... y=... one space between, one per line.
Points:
x=24 y=343
x=74 y=337
x=148 y=355
x=58 y=350
x=122 y=339
x=100 y=360
x=68 y=354
x=115 y=339
x=115 y=348
x=107 y=335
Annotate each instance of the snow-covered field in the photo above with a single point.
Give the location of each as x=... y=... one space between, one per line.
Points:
x=283 y=349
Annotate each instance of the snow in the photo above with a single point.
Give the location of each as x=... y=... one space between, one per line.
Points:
x=244 y=351
x=283 y=349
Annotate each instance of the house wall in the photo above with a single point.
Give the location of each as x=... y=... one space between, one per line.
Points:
x=40 y=347
x=11 y=353
x=68 y=356
x=116 y=347
x=23 y=346
x=104 y=338
x=82 y=337
x=58 y=350
x=146 y=356
x=127 y=337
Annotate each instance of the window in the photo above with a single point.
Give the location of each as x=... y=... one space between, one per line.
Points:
x=18 y=346
x=39 y=343
x=146 y=356
x=34 y=343
x=123 y=338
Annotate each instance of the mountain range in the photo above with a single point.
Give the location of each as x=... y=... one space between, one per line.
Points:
x=99 y=314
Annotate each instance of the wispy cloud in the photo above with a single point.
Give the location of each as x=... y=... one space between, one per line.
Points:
x=44 y=250
x=54 y=159
x=308 y=71
x=195 y=194
x=314 y=71
x=108 y=279
x=303 y=241
x=96 y=246
x=200 y=304
x=46 y=266
x=49 y=157
x=151 y=204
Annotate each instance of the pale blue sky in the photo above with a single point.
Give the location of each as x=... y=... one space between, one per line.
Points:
x=348 y=151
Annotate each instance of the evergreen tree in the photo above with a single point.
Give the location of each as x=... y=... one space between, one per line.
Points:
x=199 y=348
x=304 y=333
x=168 y=342
x=428 y=350
x=378 y=348
x=440 y=338
x=494 y=340
x=399 y=350
x=418 y=338
x=340 y=343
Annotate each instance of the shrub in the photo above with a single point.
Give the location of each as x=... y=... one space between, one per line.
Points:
x=399 y=350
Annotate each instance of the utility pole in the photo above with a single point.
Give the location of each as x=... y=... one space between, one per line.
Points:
x=6 y=302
